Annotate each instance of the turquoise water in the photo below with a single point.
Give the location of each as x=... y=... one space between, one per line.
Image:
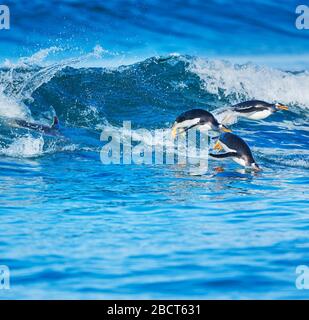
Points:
x=72 y=227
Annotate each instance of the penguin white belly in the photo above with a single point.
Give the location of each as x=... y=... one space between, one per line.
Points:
x=240 y=161
x=188 y=123
x=259 y=115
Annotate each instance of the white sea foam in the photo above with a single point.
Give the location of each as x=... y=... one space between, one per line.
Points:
x=35 y=59
x=24 y=147
x=16 y=85
x=9 y=108
x=248 y=81
x=18 y=80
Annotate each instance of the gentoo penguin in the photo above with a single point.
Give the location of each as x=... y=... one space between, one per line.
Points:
x=49 y=130
x=237 y=149
x=197 y=118
x=256 y=109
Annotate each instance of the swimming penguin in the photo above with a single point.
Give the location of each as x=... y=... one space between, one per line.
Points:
x=256 y=109
x=237 y=149
x=197 y=118
x=49 y=130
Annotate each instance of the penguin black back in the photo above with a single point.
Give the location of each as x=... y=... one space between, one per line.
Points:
x=251 y=106
x=204 y=116
x=237 y=144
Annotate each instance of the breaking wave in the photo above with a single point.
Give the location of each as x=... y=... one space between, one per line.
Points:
x=150 y=94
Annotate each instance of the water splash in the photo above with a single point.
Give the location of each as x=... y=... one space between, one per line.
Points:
x=248 y=81
x=24 y=147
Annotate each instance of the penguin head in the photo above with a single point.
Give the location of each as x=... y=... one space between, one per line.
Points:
x=212 y=124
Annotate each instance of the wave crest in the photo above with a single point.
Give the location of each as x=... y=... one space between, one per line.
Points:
x=248 y=81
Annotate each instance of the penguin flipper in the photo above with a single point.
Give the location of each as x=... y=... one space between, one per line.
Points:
x=223 y=155
x=227 y=116
x=190 y=127
x=55 y=124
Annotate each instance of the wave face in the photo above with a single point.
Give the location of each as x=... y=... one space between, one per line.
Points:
x=149 y=231
x=150 y=94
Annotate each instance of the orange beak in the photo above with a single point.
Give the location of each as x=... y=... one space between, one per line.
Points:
x=174 y=132
x=282 y=107
x=225 y=129
x=218 y=146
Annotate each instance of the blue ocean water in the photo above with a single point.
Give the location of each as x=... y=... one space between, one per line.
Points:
x=72 y=227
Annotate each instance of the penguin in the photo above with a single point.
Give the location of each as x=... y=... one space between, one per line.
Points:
x=237 y=149
x=197 y=118
x=257 y=109
x=49 y=130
